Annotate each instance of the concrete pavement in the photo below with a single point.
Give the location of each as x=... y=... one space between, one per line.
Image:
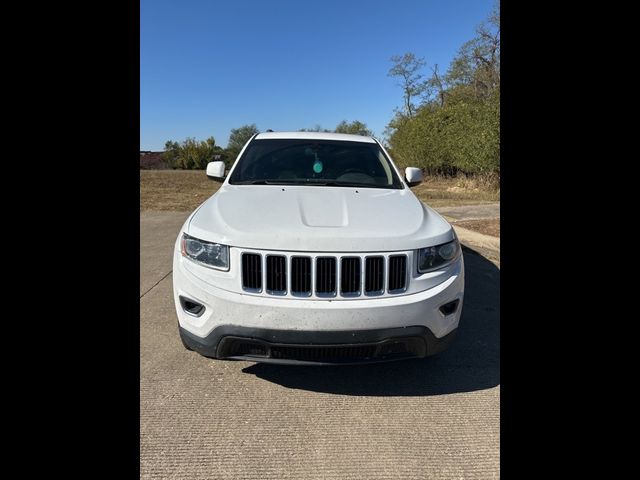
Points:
x=201 y=418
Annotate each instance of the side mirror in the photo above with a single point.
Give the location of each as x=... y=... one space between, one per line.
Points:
x=215 y=171
x=413 y=176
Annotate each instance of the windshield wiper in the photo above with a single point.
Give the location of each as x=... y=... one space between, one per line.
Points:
x=265 y=182
x=334 y=183
x=310 y=182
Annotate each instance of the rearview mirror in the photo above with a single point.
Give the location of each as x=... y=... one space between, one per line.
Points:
x=215 y=171
x=413 y=176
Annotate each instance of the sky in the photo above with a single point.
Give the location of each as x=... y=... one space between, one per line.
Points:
x=209 y=66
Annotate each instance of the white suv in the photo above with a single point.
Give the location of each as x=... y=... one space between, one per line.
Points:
x=315 y=251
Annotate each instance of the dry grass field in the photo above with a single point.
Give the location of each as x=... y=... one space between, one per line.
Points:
x=487 y=227
x=174 y=190
x=184 y=190
x=448 y=192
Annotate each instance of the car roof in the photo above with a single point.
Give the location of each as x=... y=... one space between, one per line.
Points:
x=314 y=136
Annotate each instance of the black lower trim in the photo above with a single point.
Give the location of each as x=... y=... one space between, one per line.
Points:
x=317 y=347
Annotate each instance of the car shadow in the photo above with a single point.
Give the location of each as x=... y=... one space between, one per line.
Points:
x=471 y=363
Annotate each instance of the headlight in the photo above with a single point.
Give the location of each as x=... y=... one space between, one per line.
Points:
x=209 y=254
x=432 y=258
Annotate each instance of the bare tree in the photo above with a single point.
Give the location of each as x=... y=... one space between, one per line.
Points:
x=437 y=82
x=487 y=51
x=407 y=69
x=477 y=63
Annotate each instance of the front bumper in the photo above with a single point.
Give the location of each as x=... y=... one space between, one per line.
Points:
x=270 y=329
x=317 y=347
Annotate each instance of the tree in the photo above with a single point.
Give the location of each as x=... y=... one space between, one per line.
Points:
x=459 y=137
x=317 y=128
x=477 y=64
x=356 y=128
x=171 y=150
x=437 y=84
x=407 y=69
x=240 y=136
x=190 y=154
x=456 y=126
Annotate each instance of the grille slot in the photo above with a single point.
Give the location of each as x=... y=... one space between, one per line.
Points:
x=350 y=276
x=276 y=274
x=301 y=276
x=397 y=273
x=247 y=348
x=252 y=271
x=326 y=276
x=324 y=354
x=374 y=275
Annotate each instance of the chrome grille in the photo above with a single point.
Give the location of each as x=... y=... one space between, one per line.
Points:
x=327 y=276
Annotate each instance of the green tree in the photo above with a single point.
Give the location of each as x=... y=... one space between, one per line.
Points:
x=317 y=128
x=456 y=127
x=190 y=154
x=239 y=137
x=170 y=154
x=356 y=128
x=459 y=137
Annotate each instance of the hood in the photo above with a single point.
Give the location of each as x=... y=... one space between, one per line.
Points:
x=329 y=219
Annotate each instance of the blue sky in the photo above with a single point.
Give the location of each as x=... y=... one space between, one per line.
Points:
x=209 y=66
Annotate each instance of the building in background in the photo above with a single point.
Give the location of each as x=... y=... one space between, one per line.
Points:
x=152 y=161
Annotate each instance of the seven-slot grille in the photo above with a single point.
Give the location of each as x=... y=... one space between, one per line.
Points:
x=303 y=275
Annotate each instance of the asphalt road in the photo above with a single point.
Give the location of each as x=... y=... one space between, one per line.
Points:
x=202 y=418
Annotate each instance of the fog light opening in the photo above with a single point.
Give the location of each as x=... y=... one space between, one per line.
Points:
x=450 y=308
x=191 y=306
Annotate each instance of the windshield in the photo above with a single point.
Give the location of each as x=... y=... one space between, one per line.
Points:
x=315 y=162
